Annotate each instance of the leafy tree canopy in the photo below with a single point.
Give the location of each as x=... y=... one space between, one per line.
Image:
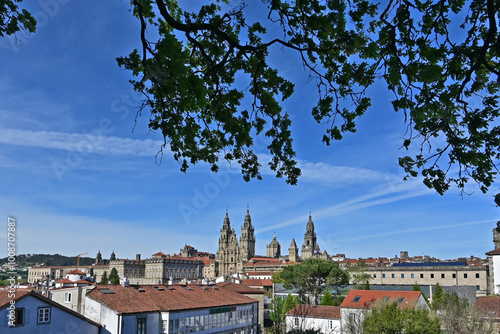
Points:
x=390 y=319
x=313 y=276
x=14 y=19
x=113 y=277
x=104 y=278
x=211 y=90
x=290 y=303
x=327 y=299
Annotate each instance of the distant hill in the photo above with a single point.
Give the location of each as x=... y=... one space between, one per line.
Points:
x=28 y=260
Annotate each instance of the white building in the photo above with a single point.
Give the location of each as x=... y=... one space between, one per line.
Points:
x=174 y=309
x=494 y=262
x=358 y=302
x=321 y=318
x=35 y=314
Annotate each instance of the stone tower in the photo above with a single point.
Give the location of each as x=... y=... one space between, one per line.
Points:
x=273 y=249
x=228 y=257
x=310 y=247
x=496 y=236
x=98 y=258
x=112 y=257
x=247 y=239
x=293 y=252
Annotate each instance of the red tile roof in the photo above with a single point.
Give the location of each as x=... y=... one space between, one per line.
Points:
x=258 y=273
x=239 y=288
x=19 y=294
x=131 y=300
x=316 y=311
x=159 y=254
x=489 y=306
x=76 y=272
x=257 y=282
x=493 y=252
x=369 y=298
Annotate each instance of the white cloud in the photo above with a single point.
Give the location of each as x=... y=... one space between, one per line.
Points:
x=94 y=142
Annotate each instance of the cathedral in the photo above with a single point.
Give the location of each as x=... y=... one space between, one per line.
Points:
x=232 y=254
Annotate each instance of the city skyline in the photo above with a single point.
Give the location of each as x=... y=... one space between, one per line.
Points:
x=81 y=173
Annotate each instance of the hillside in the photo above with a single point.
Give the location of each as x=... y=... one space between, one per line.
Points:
x=28 y=260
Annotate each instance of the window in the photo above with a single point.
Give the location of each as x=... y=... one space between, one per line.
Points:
x=402 y=275
x=454 y=275
x=478 y=287
x=67 y=297
x=296 y=321
x=385 y=299
x=465 y=275
x=356 y=299
x=477 y=275
x=44 y=315
x=412 y=275
x=141 y=325
x=442 y=275
x=392 y=275
x=383 y=275
x=400 y=299
x=432 y=275
x=374 y=275
x=18 y=319
x=330 y=324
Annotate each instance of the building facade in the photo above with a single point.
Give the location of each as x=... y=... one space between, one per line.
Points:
x=174 y=309
x=231 y=254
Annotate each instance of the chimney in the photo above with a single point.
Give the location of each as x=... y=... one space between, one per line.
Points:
x=138 y=257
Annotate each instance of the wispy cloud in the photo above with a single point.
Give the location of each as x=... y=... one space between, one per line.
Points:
x=421 y=229
x=93 y=142
x=384 y=195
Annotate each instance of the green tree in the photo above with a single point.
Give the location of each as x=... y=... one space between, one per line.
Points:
x=104 y=278
x=276 y=315
x=358 y=275
x=312 y=277
x=14 y=19
x=327 y=299
x=439 y=58
x=438 y=296
x=113 y=277
x=416 y=287
x=290 y=303
x=390 y=319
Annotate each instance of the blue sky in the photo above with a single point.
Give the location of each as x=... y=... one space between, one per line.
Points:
x=80 y=175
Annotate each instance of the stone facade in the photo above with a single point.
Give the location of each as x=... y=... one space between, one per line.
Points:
x=231 y=255
x=273 y=249
x=475 y=276
x=310 y=247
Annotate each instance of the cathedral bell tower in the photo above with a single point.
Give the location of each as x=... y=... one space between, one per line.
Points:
x=247 y=239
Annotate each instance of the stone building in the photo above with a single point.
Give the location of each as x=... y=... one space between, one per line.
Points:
x=273 y=249
x=310 y=247
x=231 y=254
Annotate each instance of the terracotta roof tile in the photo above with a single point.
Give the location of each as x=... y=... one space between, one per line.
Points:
x=493 y=252
x=316 y=311
x=369 y=298
x=489 y=306
x=257 y=282
x=130 y=300
x=239 y=288
x=76 y=272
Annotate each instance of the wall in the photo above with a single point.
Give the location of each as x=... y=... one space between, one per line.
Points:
x=61 y=322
